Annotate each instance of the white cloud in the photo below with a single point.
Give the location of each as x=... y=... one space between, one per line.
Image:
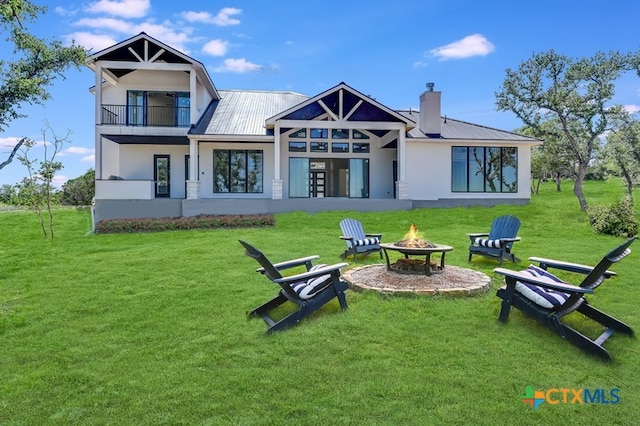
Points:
x=59 y=180
x=238 y=66
x=124 y=8
x=106 y=24
x=9 y=142
x=79 y=150
x=62 y=11
x=216 y=47
x=420 y=64
x=89 y=159
x=223 y=18
x=94 y=42
x=473 y=45
x=632 y=109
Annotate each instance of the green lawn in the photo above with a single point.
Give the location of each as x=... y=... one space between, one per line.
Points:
x=149 y=329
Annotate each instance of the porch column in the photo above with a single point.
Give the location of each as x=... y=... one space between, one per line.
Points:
x=98 y=136
x=276 y=185
x=193 y=184
x=402 y=186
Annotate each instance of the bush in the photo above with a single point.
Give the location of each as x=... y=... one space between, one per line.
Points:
x=618 y=219
x=184 y=223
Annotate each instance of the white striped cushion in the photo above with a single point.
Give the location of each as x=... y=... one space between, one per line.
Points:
x=307 y=289
x=488 y=243
x=545 y=297
x=367 y=241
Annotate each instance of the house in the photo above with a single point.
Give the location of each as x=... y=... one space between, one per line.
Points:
x=169 y=143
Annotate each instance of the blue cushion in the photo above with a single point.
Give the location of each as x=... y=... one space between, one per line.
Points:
x=545 y=297
x=307 y=289
x=487 y=243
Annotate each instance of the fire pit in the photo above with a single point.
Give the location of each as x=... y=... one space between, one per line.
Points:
x=414 y=245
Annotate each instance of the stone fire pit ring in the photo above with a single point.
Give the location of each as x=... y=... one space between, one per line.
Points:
x=453 y=281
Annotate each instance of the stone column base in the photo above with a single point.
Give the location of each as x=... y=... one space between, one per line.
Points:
x=193 y=189
x=276 y=189
x=402 y=190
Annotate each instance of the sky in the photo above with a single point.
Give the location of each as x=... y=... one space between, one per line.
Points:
x=388 y=50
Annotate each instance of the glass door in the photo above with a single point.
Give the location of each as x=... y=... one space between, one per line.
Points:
x=162 y=176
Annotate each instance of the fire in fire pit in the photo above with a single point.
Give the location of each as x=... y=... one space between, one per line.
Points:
x=412 y=239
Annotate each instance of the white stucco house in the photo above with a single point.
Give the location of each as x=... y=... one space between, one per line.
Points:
x=169 y=143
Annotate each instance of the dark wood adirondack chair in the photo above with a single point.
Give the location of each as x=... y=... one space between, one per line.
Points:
x=308 y=290
x=543 y=296
x=358 y=242
x=497 y=243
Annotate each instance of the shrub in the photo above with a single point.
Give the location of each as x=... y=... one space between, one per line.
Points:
x=184 y=223
x=618 y=219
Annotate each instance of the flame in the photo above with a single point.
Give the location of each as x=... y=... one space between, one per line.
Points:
x=413 y=239
x=413 y=233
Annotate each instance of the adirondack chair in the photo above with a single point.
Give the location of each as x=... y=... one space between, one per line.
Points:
x=498 y=242
x=548 y=299
x=358 y=242
x=309 y=290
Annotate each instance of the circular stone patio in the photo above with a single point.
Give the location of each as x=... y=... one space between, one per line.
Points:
x=452 y=281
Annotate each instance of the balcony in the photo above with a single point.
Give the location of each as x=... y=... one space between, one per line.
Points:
x=145 y=116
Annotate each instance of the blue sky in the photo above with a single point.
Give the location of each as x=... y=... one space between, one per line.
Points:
x=386 y=49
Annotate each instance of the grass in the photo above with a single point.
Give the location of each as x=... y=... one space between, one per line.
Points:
x=150 y=329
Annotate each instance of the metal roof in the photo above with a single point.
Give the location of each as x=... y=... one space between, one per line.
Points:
x=461 y=130
x=244 y=112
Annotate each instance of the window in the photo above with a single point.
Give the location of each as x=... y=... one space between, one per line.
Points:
x=339 y=147
x=319 y=133
x=237 y=171
x=167 y=109
x=484 y=169
x=357 y=134
x=297 y=147
x=319 y=147
x=340 y=133
x=359 y=147
x=302 y=133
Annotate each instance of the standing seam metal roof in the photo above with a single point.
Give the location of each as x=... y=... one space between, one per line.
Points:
x=242 y=112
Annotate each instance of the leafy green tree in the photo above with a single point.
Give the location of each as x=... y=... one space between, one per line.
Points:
x=623 y=151
x=79 y=191
x=572 y=97
x=35 y=64
x=7 y=194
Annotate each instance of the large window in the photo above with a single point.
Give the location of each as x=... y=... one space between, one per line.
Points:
x=484 y=169
x=237 y=171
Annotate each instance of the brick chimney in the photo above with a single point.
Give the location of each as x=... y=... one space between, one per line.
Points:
x=430 y=112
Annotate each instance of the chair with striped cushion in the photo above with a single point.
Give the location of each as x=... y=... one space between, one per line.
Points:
x=309 y=290
x=497 y=243
x=358 y=242
x=548 y=299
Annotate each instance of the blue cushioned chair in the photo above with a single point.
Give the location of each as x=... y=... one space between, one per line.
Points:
x=548 y=299
x=309 y=290
x=498 y=242
x=358 y=242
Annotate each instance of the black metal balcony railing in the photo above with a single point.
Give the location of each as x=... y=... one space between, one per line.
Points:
x=150 y=116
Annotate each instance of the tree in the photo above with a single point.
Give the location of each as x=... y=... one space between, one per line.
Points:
x=571 y=96
x=38 y=189
x=623 y=150
x=548 y=160
x=36 y=64
x=79 y=191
